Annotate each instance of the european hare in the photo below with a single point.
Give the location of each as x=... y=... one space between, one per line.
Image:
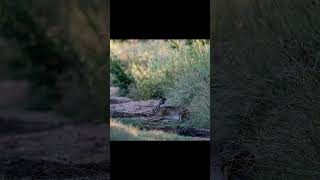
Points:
x=170 y=112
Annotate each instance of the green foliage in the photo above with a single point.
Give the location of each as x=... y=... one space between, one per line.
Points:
x=163 y=73
x=175 y=44
x=60 y=54
x=148 y=88
x=192 y=88
x=266 y=89
x=121 y=78
x=181 y=73
x=43 y=59
x=193 y=92
x=197 y=42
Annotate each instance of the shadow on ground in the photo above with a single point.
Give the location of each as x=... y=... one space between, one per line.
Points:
x=47 y=145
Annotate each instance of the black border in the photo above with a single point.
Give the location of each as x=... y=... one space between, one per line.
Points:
x=160 y=160
x=165 y=19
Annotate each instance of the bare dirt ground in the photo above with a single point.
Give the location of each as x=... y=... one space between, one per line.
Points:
x=60 y=152
x=128 y=108
x=46 y=145
x=12 y=92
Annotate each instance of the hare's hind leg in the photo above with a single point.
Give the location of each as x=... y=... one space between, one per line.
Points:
x=180 y=117
x=184 y=115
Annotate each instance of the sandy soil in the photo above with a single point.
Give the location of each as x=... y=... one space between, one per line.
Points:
x=64 y=152
x=12 y=92
x=126 y=108
x=46 y=145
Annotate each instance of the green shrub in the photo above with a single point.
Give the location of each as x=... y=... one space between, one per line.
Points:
x=156 y=64
x=192 y=90
x=121 y=77
x=266 y=91
x=148 y=88
x=162 y=73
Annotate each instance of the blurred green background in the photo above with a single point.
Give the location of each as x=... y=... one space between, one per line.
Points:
x=55 y=53
x=265 y=87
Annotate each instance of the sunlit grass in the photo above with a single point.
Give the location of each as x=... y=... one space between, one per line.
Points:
x=122 y=132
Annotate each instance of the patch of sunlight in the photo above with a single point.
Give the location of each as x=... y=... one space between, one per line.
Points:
x=120 y=132
x=129 y=129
